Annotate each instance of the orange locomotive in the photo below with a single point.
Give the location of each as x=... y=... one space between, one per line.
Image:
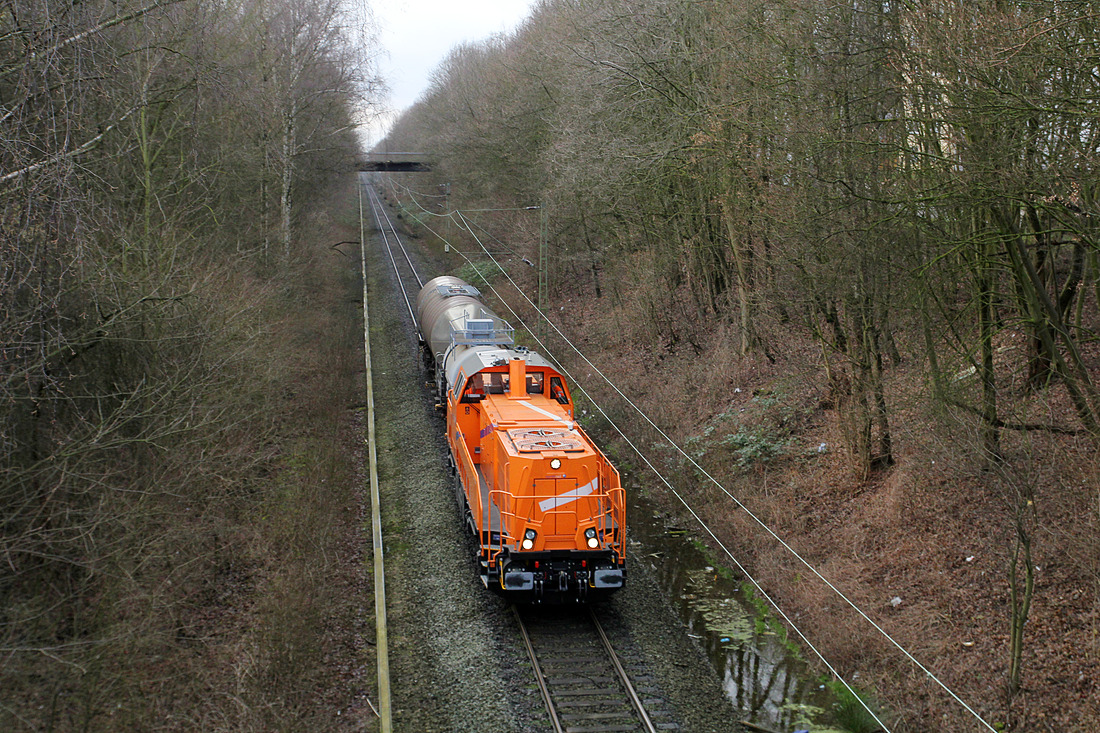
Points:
x=546 y=506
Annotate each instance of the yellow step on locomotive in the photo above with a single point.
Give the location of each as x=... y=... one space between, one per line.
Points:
x=546 y=506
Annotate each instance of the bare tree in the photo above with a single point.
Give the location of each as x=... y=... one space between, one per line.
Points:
x=129 y=378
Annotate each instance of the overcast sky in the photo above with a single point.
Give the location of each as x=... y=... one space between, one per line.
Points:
x=416 y=36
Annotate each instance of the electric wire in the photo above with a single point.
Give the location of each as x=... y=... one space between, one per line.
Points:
x=489 y=234
x=672 y=489
x=573 y=380
x=377 y=208
x=546 y=349
x=452 y=213
x=413 y=194
x=932 y=676
x=394 y=185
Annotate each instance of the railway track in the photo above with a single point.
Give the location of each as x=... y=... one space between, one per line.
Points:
x=404 y=269
x=583 y=681
x=384 y=710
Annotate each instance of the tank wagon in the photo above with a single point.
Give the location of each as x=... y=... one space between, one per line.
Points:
x=546 y=506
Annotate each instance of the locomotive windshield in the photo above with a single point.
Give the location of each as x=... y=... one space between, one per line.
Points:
x=484 y=383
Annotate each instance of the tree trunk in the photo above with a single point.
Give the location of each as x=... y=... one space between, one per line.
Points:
x=1019 y=597
x=286 y=193
x=741 y=247
x=1049 y=323
x=983 y=275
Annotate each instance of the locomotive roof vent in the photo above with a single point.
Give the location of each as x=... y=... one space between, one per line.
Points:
x=539 y=440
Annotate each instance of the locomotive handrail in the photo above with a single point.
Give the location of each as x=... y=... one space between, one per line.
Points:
x=619 y=505
x=488 y=337
x=502 y=489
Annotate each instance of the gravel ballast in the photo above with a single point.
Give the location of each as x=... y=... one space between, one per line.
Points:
x=456 y=659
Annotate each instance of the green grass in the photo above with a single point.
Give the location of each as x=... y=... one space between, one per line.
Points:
x=850 y=711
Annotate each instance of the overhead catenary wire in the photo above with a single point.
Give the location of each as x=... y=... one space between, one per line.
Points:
x=413 y=194
x=379 y=212
x=546 y=349
x=929 y=674
x=668 y=484
x=573 y=380
x=460 y=212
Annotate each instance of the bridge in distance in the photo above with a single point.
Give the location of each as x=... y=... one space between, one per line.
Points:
x=396 y=162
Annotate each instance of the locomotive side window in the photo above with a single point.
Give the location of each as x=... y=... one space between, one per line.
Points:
x=534 y=382
x=557 y=391
x=475 y=389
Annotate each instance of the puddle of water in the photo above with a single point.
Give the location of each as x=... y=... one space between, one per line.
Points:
x=766 y=682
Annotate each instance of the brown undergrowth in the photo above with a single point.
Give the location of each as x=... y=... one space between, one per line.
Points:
x=296 y=656
x=218 y=586
x=922 y=547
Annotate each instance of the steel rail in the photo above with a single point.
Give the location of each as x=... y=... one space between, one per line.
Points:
x=385 y=713
x=623 y=677
x=375 y=207
x=404 y=250
x=539 y=677
x=389 y=222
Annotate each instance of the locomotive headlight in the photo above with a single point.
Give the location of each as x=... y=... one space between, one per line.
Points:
x=593 y=542
x=528 y=539
x=555 y=463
